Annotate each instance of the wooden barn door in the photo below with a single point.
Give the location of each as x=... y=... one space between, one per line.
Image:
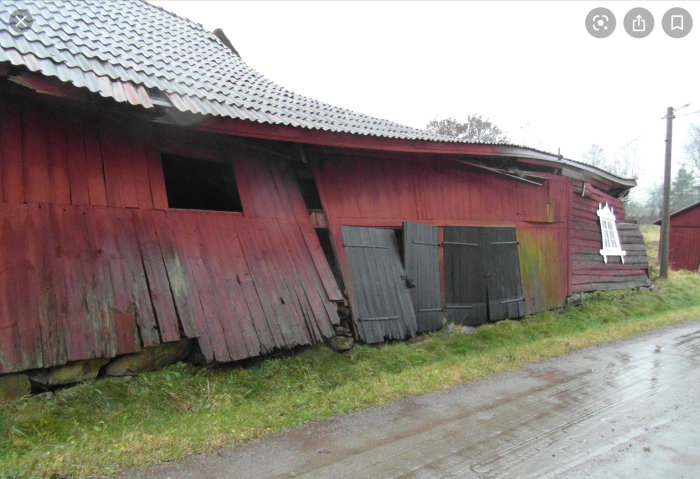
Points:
x=382 y=306
x=502 y=268
x=482 y=275
x=465 y=285
x=422 y=263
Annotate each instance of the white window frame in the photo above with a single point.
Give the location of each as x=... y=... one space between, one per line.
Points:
x=608 y=232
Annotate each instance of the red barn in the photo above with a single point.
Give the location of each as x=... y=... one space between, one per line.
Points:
x=154 y=187
x=684 y=238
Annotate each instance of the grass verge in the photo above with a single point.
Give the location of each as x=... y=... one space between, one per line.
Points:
x=651 y=234
x=101 y=427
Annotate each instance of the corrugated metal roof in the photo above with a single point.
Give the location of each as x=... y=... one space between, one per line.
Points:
x=121 y=48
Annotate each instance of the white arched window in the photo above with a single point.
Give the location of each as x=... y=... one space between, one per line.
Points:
x=608 y=229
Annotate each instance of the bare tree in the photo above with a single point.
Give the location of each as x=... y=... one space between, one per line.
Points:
x=625 y=164
x=595 y=156
x=654 y=200
x=476 y=129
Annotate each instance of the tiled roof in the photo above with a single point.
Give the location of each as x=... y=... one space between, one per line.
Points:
x=133 y=52
x=138 y=53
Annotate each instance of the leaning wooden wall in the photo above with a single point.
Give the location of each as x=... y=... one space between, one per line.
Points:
x=93 y=263
x=384 y=191
x=588 y=270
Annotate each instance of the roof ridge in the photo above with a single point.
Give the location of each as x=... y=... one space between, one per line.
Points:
x=173 y=14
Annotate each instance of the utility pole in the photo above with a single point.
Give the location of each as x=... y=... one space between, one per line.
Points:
x=665 y=208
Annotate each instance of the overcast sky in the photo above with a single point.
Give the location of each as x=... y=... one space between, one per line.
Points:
x=531 y=67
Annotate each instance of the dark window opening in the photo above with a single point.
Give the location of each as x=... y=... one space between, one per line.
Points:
x=324 y=238
x=200 y=184
x=309 y=191
x=398 y=233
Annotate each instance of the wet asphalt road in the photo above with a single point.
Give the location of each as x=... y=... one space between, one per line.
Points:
x=626 y=409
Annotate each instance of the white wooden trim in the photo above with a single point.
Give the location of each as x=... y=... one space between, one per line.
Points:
x=608 y=232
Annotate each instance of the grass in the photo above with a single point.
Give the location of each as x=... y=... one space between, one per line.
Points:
x=651 y=234
x=101 y=427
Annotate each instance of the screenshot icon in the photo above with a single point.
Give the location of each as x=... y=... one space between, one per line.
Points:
x=600 y=22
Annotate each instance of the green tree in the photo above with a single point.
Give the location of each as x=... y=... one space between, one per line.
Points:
x=476 y=129
x=684 y=191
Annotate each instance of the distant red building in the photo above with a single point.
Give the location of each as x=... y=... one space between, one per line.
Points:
x=684 y=238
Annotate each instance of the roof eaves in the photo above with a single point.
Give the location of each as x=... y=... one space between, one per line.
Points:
x=679 y=211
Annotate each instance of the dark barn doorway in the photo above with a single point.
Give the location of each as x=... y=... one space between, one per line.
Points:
x=481 y=278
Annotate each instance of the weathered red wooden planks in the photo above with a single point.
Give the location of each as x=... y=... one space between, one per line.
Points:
x=156 y=275
x=58 y=163
x=154 y=166
x=77 y=165
x=35 y=155
x=11 y=153
x=275 y=296
x=138 y=171
x=178 y=280
x=73 y=261
x=384 y=192
x=21 y=334
x=588 y=270
x=93 y=167
x=239 y=324
x=352 y=187
x=288 y=189
x=684 y=252
x=100 y=265
x=115 y=156
x=119 y=326
x=684 y=238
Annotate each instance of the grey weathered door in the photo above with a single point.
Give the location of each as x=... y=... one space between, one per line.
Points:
x=382 y=308
x=482 y=275
x=502 y=268
x=422 y=263
x=465 y=285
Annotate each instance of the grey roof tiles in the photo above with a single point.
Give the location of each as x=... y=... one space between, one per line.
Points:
x=120 y=48
x=124 y=49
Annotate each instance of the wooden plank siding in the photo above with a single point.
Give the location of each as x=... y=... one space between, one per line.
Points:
x=422 y=263
x=384 y=191
x=93 y=262
x=588 y=270
x=684 y=239
x=465 y=278
x=543 y=255
x=384 y=309
x=503 y=280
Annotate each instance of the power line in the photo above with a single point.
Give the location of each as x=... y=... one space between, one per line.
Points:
x=693 y=113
